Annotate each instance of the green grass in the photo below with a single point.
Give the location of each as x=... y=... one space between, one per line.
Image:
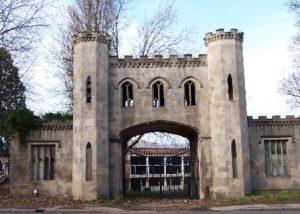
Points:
x=114 y=202
x=263 y=197
x=256 y=197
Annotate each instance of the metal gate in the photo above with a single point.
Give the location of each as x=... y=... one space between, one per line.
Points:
x=161 y=176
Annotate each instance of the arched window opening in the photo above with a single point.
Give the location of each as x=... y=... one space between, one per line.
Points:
x=189 y=94
x=158 y=94
x=88 y=90
x=88 y=162
x=127 y=94
x=234 y=160
x=230 y=87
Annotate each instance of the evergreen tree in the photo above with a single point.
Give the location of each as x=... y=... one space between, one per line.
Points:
x=12 y=91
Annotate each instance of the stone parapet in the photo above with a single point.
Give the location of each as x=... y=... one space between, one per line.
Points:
x=56 y=125
x=220 y=34
x=159 y=61
x=276 y=120
x=91 y=37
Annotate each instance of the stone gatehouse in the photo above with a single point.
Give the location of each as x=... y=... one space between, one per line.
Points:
x=201 y=98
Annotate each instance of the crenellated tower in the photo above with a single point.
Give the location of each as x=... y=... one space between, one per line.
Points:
x=228 y=116
x=90 y=117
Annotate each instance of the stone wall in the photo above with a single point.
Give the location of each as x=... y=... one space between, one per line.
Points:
x=58 y=134
x=272 y=128
x=173 y=72
x=210 y=125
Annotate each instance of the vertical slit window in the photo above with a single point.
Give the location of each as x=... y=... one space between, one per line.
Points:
x=127 y=94
x=158 y=94
x=189 y=94
x=234 y=159
x=88 y=90
x=88 y=162
x=230 y=87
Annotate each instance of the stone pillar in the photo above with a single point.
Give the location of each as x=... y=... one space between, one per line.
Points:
x=182 y=173
x=165 y=173
x=147 y=171
x=90 y=117
x=228 y=116
x=116 y=169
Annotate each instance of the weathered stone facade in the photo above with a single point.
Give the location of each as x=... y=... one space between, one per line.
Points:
x=224 y=145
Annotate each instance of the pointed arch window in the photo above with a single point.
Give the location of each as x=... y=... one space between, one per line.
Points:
x=127 y=94
x=158 y=94
x=230 y=87
x=189 y=94
x=88 y=163
x=234 y=159
x=88 y=90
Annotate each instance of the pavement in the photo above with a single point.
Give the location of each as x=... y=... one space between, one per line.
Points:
x=167 y=209
x=258 y=207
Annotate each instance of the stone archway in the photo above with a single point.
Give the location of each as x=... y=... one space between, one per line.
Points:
x=183 y=130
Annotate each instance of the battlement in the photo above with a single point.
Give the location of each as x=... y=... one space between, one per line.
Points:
x=220 y=34
x=56 y=125
x=158 y=61
x=90 y=37
x=275 y=120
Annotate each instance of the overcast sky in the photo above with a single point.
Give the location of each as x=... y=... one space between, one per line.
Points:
x=268 y=28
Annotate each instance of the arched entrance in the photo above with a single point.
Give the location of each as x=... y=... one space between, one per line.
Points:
x=157 y=177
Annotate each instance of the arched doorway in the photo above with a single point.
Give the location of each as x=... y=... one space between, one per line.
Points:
x=168 y=172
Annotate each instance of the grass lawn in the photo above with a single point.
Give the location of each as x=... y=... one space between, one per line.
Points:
x=263 y=197
x=257 y=197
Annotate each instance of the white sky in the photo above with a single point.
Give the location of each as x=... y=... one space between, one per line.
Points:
x=268 y=27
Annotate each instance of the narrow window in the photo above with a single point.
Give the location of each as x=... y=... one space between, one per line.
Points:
x=230 y=87
x=234 y=161
x=158 y=94
x=127 y=94
x=276 y=157
x=42 y=162
x=88 y=90
x=189 y=94
x=88 y=162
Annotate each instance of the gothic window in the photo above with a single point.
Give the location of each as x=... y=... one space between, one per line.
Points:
x=88 y=90
x=88 y=167
x=234 y=160
x=127 y=94
x=158 y=94
x=230 y=87
x=189 y=94
x=42 y=162
x=276 y=157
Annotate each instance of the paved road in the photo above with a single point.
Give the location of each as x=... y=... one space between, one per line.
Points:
x=146 y=211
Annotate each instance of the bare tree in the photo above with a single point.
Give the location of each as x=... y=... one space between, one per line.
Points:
x=156 y=139
x=156 y=34
x=20 y=24
x=290 y=85
x=105 y=16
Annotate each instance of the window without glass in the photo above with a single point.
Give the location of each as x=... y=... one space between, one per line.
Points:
x=127 y=94
x=230 y=87
x=189 y=94
x=276 y=157
x=88 y=90
x=234 y=160
x=88 y=167
x=42 y=162
x=158 y=94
